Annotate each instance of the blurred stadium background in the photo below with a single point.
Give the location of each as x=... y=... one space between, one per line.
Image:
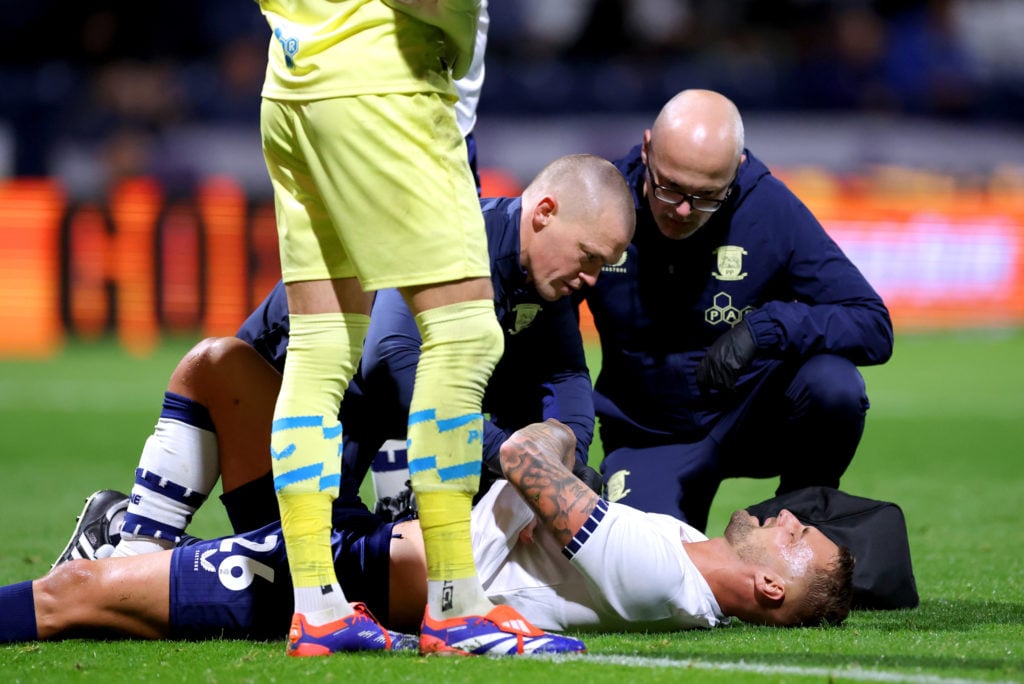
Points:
x=134 y=200
x=134 y=206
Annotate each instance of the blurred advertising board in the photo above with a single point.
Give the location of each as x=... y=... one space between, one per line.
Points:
x=140 y=263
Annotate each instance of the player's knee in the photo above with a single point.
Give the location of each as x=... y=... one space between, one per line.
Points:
x=212 y=350
x=489 y=342
x=483 y=341
x=475 y=343
x=326 y=345
x=67 y=578
x=207 y=357
x=67 y=586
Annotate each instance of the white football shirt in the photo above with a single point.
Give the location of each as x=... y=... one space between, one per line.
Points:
x=625 y=570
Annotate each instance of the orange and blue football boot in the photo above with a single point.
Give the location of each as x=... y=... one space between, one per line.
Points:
x=357 y=632
x=503 y=631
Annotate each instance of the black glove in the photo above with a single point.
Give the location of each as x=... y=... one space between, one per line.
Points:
x=726 y=358
x=590 y=477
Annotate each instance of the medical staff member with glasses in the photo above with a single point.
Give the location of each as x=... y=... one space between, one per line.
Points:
x=732 y=329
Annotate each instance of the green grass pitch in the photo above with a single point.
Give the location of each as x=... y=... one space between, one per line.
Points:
x=944 y=439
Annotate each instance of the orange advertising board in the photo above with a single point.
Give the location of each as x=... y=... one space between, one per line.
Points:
x=937 y=264
x=139 y=263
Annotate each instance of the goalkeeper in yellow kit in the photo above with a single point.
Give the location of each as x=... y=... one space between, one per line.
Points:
x=373 y=190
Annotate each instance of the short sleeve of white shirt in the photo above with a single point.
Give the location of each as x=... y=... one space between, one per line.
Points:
x=469 y=86
x=637 y=563
x=625 y=570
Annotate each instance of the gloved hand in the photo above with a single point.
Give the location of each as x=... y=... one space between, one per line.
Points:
x=726 y=358
x=590 y=477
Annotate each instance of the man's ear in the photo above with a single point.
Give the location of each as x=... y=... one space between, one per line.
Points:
x=769 y=588
x=544 y=211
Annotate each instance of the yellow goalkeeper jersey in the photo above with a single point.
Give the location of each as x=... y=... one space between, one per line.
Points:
x=335 y=48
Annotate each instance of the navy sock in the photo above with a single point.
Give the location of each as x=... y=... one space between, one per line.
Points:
x=252 y=505
x=17 y=613
x=187 y=411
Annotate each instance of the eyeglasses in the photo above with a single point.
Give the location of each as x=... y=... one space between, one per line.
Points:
x=676 y=197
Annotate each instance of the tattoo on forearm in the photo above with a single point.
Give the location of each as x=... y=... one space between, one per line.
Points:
x=561 y=501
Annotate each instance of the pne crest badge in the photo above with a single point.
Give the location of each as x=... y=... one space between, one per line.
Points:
x=730 y=263
x=524 y=315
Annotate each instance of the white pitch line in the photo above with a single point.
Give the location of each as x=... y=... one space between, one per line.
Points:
x=827 y=673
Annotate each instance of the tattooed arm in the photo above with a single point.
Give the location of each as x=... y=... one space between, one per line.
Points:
x=534 y=461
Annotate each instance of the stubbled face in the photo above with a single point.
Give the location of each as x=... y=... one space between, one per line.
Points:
x=782 y=542
x=567 y=254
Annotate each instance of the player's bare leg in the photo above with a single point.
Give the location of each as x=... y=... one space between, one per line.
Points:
x=113 y=596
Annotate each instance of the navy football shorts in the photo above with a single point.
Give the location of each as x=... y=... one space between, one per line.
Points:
x=240 y=588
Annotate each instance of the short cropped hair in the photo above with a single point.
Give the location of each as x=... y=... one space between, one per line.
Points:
x=829 y=593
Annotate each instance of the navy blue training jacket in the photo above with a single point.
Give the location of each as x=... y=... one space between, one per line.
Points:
x=762 y=257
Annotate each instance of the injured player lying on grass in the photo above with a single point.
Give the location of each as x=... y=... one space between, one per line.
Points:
x=543 y=541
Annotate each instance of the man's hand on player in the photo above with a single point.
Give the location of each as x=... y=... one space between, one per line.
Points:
x=590 y=477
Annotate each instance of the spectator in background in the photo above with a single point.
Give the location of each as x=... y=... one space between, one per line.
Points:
x=926 y=65
x=925 y=57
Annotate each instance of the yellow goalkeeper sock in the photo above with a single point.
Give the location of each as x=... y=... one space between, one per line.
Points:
x=461 y=345
x=323 y=351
